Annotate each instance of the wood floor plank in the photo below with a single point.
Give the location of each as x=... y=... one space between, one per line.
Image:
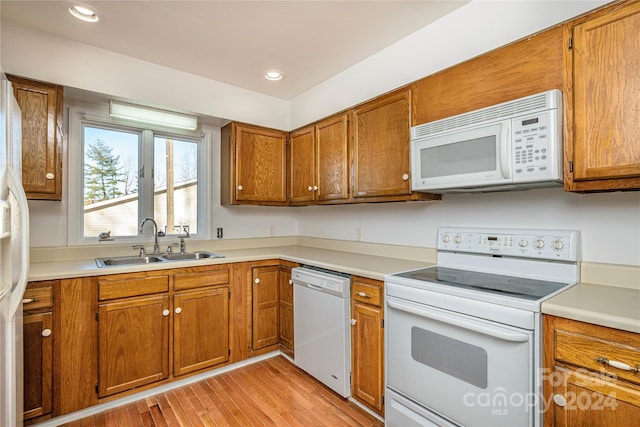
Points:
x=272 y=392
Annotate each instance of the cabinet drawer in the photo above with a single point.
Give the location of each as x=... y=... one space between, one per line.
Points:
x=586 y=351
x=367 y=293
x=37 y=297
x=111 y=289
x=201 y=279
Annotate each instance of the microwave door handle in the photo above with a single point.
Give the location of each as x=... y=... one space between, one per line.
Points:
x=457 y=321
x=504 y=150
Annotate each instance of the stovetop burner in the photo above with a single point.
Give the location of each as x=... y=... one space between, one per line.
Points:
x=517 y=287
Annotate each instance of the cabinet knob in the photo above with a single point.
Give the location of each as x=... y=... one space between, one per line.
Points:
x=165 y=312
x=178 y=310
x=239 y=187
x=290 y=282
x=46 y=333
x=363 y=294
x=310 y=188
x=257 y=281
x=353 y=322
x=405 y=177
x=49 y=176
x=315 y=188
x=28 y=300
x=559 y=400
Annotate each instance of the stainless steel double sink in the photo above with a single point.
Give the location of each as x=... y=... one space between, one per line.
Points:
x=153 y=258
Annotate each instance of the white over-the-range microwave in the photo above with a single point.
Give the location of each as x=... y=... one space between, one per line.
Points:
x=513 y=145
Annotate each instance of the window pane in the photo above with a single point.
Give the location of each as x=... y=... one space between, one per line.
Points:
x=175 y=184
x=110 y=182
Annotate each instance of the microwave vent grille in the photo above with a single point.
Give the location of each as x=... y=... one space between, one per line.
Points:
x=498 y=112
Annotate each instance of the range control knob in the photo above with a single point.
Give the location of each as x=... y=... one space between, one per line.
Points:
x=558 y=245
x=538 y=244
x=458 y=239
x=523 y=243
x=446 y=238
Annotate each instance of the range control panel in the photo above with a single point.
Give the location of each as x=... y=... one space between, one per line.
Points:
x=559 y=245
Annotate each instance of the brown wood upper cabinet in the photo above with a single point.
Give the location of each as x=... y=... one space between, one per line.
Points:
x=319 y=164
x=253 y=165
x=41 y=105
x=606 y=99
x=525 y=67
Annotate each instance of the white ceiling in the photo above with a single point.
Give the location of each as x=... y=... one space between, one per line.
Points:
x=235 y=42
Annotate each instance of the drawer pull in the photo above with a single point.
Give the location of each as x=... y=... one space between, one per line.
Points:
x=616 y=364
x=363 y=294
x=46 y=333
x=29 y=300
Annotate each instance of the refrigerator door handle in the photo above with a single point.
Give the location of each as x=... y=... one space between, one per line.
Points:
x=15 y=186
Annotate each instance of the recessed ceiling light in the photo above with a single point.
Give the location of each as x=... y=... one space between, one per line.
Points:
x=84 y=12
x=273 y=75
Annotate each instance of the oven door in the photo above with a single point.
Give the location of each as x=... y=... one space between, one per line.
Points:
x=461 y=368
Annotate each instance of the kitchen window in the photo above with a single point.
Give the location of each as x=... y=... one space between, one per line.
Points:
x=121 y=174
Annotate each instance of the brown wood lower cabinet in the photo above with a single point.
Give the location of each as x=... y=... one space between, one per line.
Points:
x=38 y=350
x=200 y=329
x=286 y=311
x=581 y=390
x=133 y=343
x=265 y=301
x=367 y=342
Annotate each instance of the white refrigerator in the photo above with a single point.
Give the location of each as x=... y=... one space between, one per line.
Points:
x=14 y=257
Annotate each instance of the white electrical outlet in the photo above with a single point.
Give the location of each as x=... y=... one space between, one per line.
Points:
x=358 y=234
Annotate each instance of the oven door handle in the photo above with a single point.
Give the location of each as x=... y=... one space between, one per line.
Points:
x=457 y=321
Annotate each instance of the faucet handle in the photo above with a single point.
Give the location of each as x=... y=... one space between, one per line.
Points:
x=141 y=247
x=170 y=247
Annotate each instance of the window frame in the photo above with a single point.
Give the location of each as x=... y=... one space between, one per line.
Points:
x=78 y=118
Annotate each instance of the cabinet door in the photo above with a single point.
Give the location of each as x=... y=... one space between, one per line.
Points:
x=302 y=168
x=587 y=399
x=200 y=329
x=332 y=159
x=367 y=348
x=381 y=165
x=38 y=364
x=265 y=303
x=133 y=343
x=606 y=55
x=286 y=308
x=526 y=67
x=41 y=105
x=261 y=158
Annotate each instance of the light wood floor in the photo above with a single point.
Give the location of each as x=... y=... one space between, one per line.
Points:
x=273 y=392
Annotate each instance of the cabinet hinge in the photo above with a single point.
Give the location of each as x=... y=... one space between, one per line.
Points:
x=96 y=388
x=382 y=400
x=570 y=42
x=288 y=141
x=229 y=352
x=229 y=294
x=382 y=323
x=570 y=165
x=96 y=316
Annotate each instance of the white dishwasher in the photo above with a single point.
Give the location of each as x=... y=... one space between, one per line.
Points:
x=322 y=345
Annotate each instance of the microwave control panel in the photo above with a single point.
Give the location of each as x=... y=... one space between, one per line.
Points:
x=535 y=145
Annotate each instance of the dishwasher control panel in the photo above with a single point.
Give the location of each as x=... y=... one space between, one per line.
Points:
x=322 y=281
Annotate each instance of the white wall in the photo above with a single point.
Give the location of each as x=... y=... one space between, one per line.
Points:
x=469 y=31
x=78 y=65
x=609 y=222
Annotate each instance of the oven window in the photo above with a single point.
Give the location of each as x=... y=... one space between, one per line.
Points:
x=472 y=156
x=456 y=358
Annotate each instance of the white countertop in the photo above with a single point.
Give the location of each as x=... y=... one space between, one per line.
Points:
x=371 y=266
x=612 y=306
x=615 y=307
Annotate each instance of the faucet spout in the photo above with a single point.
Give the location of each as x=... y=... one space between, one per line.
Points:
x=156 y=248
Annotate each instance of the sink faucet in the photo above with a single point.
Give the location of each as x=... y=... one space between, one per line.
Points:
x=156 y=248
